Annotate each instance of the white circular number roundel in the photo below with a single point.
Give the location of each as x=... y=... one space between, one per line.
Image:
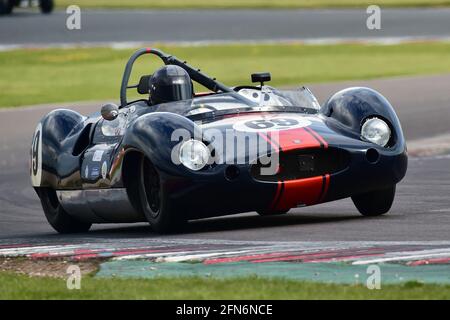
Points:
x=270 y=124
x=36 y=157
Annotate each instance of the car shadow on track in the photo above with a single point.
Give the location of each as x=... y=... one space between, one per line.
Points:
x=227 y=223
x=234 y=224
x=257 y=222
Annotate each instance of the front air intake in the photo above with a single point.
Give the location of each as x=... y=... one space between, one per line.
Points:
x=300 y=164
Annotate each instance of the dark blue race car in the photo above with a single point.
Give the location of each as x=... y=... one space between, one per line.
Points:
x=178 y=155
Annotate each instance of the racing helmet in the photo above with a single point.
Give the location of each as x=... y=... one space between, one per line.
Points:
x=170 y=83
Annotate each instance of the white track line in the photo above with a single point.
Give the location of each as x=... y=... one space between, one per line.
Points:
x=405 y=258
x=306 y=41
x=202 y=256
x=227 y=248
x=39 y=249
x=409 y=255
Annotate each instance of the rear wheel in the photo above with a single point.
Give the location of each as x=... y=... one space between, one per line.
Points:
x=154 y=206
x=272 y=212
x=46 y=6
x=58 y=218
x=6 y=7
x=375 y=203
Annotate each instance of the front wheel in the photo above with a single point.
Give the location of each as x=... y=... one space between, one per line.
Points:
x=6 y=7
x=153 y=202
x=375 y=203
x=58 y=218
x=46 y=6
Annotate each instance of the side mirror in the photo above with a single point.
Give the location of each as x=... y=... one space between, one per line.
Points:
x=110 y=111
x=261 y=77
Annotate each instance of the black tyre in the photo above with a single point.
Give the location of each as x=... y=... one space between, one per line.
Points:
x=58 y=218
x=6 y=7
x=272 y=212
x=375 y=203
x=153 y=201
x=46 y=6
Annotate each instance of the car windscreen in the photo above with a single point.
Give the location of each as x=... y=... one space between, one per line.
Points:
x=245 y=100
x=267 y=97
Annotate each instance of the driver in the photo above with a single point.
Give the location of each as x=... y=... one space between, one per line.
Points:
x=170 y=83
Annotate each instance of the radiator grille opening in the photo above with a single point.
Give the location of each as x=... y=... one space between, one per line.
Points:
x=300 y=164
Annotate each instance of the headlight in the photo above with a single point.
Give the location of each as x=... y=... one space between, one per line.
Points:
x=377 y=131
x=194 y=154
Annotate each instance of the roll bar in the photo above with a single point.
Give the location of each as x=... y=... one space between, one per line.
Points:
x=195 y=74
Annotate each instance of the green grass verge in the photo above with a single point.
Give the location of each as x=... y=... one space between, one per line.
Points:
x=24 y=287
x=62 y=75
x=239 y=4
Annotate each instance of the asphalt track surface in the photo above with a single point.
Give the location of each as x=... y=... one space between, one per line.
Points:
x=25 y=27
x=421 y=211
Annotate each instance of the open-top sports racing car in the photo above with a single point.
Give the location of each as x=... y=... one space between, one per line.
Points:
x=177 y=155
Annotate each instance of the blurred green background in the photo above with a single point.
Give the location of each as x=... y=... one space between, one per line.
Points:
x=33 y=76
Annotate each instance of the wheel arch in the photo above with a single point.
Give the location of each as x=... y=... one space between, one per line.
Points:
x=157 y=136
x=346 y=111
x=50 y=142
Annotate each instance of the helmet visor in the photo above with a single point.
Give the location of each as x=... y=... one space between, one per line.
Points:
x=175 y=92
